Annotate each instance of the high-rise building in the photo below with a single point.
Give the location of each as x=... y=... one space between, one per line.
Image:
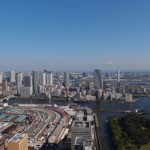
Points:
x=98 y=79
x=18 y=142
x=49 y=78
x=25 y=91
x=85 y=74
x=118 y=81
x=12 y=76
x=42 y=79
x=41 y=89
x=27 y=81
x=19 y=82
x=4 y=85
x=66 y=79
x=118 y=76
x=36 y=81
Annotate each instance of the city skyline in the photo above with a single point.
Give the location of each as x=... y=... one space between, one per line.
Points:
x=74 y=35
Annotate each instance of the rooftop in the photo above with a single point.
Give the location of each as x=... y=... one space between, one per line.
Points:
x=18 y=137
x=81 y=124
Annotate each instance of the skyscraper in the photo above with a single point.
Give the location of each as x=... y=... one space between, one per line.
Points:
x=27 y=81
x=98 y=79
x=49 y=78
x=4 y=85
x=19 y=82
x=12 y=76
x=27 y=88
x=118 y=76
x=118 y=81
x=42 y=79
x=66 y=78
x=36 y=81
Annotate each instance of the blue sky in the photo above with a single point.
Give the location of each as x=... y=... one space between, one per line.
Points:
x=74 y=34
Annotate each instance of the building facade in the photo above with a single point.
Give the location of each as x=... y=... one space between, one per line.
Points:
x=19 y=82
x=12 y=76
x=36 y=81
x=18 y=142
x=98 y=79
x=27 y=81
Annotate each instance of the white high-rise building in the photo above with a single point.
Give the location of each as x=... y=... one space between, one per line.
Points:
x=118 y=76
x=98 y=79
x=41 y=89
x=49 y=78
x=12 y=76
x=42 y=79
x=19 y=82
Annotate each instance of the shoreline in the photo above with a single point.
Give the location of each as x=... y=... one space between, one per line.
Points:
x=77 y=101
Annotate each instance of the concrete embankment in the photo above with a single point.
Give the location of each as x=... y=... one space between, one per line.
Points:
x=97 y=140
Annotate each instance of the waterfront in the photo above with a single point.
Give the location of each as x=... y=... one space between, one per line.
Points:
x=142 y=103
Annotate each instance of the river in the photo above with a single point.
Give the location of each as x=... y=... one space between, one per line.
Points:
x=141 y=103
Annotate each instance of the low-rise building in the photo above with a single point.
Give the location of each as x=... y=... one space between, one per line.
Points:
x=18 y=142
x=82 y=132
x=128 y=98
x=2 y=145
